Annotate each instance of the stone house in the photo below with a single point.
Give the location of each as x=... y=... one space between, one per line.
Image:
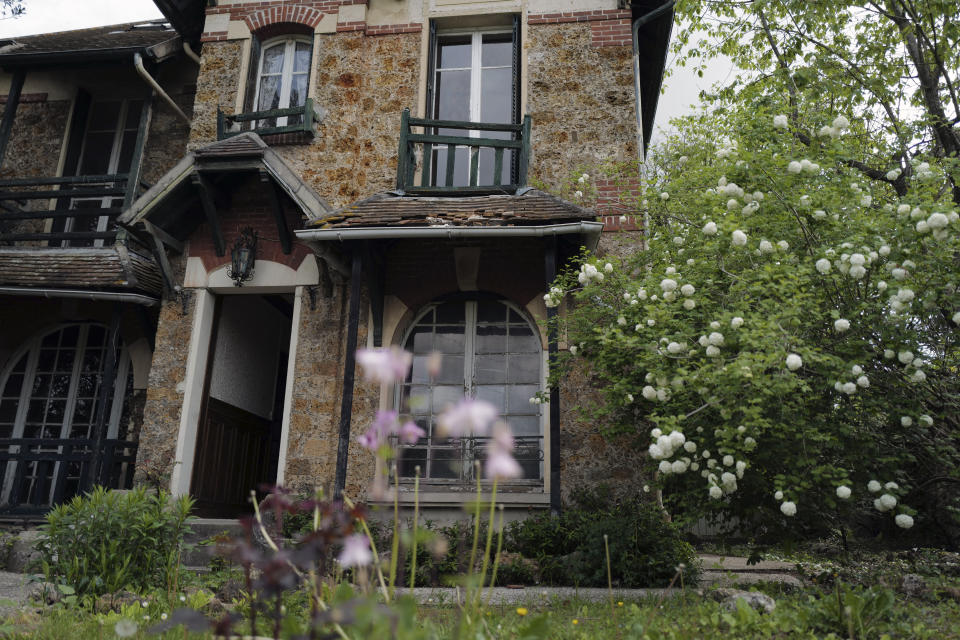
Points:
x=371 y=160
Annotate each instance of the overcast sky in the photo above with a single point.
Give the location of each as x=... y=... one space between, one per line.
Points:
x=43 y=16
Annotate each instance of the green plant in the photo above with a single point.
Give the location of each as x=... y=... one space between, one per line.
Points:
x=107 y=540
x=645 y=550
x=853 y=612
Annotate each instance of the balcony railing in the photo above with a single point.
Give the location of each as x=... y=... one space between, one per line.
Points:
x=493 y=160
x=302 y=119
x=82 y=213
x=38 y=473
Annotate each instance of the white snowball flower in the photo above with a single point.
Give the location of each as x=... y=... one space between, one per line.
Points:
x=891 y=486
x=749 y=442
x=903 y=209
x=664 y=196
x=651 y=322
x=922 y=226
x=873 y=486
x=778 y=495
x=675 y=348
x=670 y=296
x=884 y=250
x=665 y=467
x=689 y=304
x=765 y=246
x=710 y=228
x=794 y=362
x=788 y=509
x=736 y=322
x=728 y=461
x=794 y=167
x=843 y=492
x=780 y=122
x=905 y=357
x=918 y=376
x=841 y=325
x=893 y=174
x=678 y=466
x=858 y=259
x=956 y=318
x=863 y=381
x=848 y=388
x=903 y=521
x=649 y=393
x=898 y=273
x=715 y=492
x=714 y=324
x=819 y=214
x=888 y=354
x=738 y=238
x=668 y=284
x=857 y=272
x=712 y=351
x=841 y=123
x=906 y=421
x=689 y=446
x=925 y=420
x=655 y=451
x=608 y=268
x=823 y=266
x=732 y=204
x=887 y=501
x=715 y=338
x=687 y=290
x=783 y=244
x=578 y=194
x=866 y=200
x=856 y=369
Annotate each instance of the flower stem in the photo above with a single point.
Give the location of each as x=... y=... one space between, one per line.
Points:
x=606 y=549
x=395 y=547
x=496 y=558
x=486 y=550
x=416 y=516
x=476 y=522
x=373 y=549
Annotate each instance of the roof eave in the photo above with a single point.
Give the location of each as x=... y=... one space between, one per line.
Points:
x=157 y=52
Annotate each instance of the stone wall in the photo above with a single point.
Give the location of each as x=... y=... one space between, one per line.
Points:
x=581 y=101
x=216 y=85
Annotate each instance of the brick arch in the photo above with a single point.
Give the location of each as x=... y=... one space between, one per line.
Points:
x=295 y=14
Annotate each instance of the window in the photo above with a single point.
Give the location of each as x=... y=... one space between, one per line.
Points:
x=283 y=78
x=49 y=394
x=491 y=352
x=475 y=78
x=108 y=145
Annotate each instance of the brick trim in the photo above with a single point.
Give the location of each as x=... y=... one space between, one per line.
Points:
x=579 y=16
x=297 y=14
x=392 y=29
x=611 y=33
x=26 y=98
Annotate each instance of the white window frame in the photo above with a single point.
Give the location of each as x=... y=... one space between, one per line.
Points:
x=469 y=353
x=32 y=352
x=286 y=74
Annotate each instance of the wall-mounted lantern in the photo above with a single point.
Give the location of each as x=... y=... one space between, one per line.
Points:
x=243 y=257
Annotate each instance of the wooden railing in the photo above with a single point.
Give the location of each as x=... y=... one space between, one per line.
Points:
x=264 y=123
x=113 y=192
x=38 y=473
x=440 y=180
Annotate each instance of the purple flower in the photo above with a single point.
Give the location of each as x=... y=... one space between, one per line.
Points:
x=502 y=437
x=356 y=551
x=468 y=417
x=385 y=365
x=370 y=440
x=500 y=464
x=410 y=432
x=384 y=424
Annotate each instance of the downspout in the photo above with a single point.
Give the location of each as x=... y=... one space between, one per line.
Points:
x=138 y=63
x=639 y=22
x=116 y=296
x=187 y=49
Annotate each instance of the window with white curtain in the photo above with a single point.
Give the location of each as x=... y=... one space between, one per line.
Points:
x=283 y=78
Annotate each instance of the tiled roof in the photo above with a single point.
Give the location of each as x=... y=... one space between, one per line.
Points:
x=133 y=35
x=531 y=207
x=79 y=268
x=246 y=145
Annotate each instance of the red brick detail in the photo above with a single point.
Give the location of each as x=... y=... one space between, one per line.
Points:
x=617 y=199
x=391 y=29
x=611 y=33
x=579 y=16
x=359 y=25
x=27 y=97
x=297 y=14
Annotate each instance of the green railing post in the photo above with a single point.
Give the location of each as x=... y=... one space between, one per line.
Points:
x=403 y=153
x=524 y=152
x=220 y=124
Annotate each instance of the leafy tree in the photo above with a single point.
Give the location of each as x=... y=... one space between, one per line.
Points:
x=794 y=313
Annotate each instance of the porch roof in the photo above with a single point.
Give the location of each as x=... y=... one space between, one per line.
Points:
x=111 y=269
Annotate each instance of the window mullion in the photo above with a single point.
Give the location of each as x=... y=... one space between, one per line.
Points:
x=476 y=40
x=71 y=404
x=469 y=350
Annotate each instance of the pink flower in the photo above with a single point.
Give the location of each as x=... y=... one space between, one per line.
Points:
x=356 y=551
x=410 y=432
x=384 y=424
x=468 y=417
x=370 y=440
x=385 y=365
x=500 y=464
x=502 y=437
x=434 y=362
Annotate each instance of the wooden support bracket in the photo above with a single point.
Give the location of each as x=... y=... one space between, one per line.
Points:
x=276 y=196
x=206 y=191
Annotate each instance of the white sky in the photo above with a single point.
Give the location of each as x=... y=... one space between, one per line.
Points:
x=42 y=16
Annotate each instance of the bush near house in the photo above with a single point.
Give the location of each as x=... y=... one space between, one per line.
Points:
x=106 y=541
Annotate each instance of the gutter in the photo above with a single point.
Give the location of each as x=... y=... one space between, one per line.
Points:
x=115 y=296
x=590 y=229
x=138 y=64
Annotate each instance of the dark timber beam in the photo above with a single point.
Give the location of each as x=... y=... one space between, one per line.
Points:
x=349 y=371
x=164 y=237
x=550 y=271
x=160 y=254
x=375 y=284
x=10 y=111
x=276 y=195
x=136 y=162
x=210 y=210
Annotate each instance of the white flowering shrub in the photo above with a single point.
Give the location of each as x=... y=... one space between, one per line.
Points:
x=788 y=335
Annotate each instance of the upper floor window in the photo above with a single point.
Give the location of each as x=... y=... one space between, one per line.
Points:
x=283 y=78
x=475 y=78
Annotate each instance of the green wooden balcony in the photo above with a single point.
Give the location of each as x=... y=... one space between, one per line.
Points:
x=302 y=119
x=453 y=157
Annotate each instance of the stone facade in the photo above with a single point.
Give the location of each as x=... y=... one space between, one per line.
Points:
x=216 y=86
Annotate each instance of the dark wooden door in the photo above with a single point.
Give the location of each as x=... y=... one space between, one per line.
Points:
x=233 y=450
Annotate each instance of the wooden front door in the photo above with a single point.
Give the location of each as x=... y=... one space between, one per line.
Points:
x=232 y=458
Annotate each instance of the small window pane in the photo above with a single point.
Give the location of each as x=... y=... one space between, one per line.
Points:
x=298 y=93
x=496 y=95
x=450 y=313
x=410 y=459
x=273 y=59
x=96 y=153
x=421 y=340
x=269 y=93
x=497 y=51
x=449 y=339
x=453 y=91
x=301 y=61
x=454 y=53
x=134 y=108
x=444 y=397
x=104 y=116
x=519 y=398
x=491 y=311
x=451 y=370
x=495 y=395
x=491 y=339
x=524 y=368
x=14 y=385
x=490 y=369
x=47 y=360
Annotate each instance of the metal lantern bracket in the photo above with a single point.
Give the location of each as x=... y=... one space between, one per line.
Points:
x=243 y=257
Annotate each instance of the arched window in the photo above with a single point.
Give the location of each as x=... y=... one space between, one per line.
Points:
x=490 y=351
x=49 y=395
x=283 y=77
